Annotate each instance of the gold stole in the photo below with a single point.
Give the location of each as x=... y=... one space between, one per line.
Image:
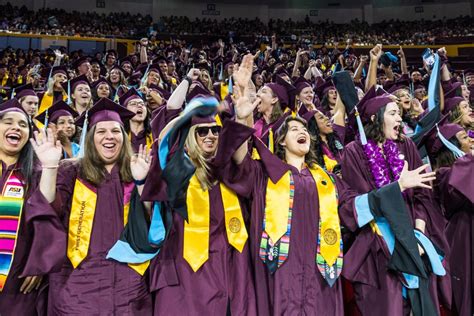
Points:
x=47 y=101
x=277 y=205
x=81 y=221
x=196 y=229
x=224 y=90
x=330 y=163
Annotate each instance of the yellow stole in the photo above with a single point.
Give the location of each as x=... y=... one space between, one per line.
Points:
x=224 y=90
x=277 y=205
x=47 y=101
x=330 y=163
x=81 y=221
x=196 y=229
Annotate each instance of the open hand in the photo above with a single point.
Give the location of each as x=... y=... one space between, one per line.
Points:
x=415 y=178
x=47 y=149
x=140 y=163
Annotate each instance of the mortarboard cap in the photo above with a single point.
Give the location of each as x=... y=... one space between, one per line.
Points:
x=57 y=110
x=78 y=62
x=24 y=90
x=105 y=110
x=451 y=103
x=131 y=94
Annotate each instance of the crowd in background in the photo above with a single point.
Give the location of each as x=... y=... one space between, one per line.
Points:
x=126 y=25
x=169 y=181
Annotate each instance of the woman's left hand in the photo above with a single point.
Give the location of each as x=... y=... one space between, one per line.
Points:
x=140 y=163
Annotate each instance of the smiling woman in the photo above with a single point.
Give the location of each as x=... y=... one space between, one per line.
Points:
x=20 y=294
x=96 y=197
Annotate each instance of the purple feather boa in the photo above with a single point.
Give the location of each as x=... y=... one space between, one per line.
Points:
x=384 y=170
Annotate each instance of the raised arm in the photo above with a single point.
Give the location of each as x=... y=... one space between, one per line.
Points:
x=243 y=106
x=49 y=151
x=362 y=62
x=403 y=61
x=375 y=54
x=143 y=52
x=178 y=97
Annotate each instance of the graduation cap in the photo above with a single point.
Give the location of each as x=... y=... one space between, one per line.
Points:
x=469 y=72
x=126 y=60
x=78 y=62
x=50 y=72
x=402 y=83
x=53 y=113
x=300 y=84
x=24 y=90
x=380 y=72
x=134 y=79
x=131 y=94
x=453 y=88
x=281 y=92
x=418 y=85
x=70 y=85
x=95 y=85
x=125 y=73
x=438 y=137
x=12 y=105
x=164 y=93
x=323 y=88
x=197 y=91
x=104 y=110
x=451 y=103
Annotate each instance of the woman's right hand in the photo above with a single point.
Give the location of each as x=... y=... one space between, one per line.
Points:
x=410 y=179
x=47 y=149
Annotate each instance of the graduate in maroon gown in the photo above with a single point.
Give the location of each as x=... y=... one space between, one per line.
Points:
x=54 y=90
x=204 y=265
x=19 y=294
x=138 y=127
x=92 y=197
x=451 y=152
x=368 y=164
x=297 y=211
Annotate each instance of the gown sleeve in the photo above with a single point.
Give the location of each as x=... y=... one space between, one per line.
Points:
x=49 y=243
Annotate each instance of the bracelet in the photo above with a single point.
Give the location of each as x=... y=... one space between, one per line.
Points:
x=49 y=167
x=189 y=80
x=139 y=182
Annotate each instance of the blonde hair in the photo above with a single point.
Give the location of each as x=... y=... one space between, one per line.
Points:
x=196 y=155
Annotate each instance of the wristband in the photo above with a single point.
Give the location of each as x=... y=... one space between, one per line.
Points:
x=139 y=182
x=50 y=167
x=189 y=80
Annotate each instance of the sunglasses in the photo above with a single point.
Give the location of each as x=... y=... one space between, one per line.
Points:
x=204 y=130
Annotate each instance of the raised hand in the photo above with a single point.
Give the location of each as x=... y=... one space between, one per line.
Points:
x=415 y=178
x=140 y=163
x=194 y=73
x=376 y=52
x=58 y=54
x=144 y=42
x=47 y=149
x=401 y=53
x=243 y=75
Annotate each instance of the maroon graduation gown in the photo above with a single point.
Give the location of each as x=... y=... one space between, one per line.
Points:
x=12 y=302
x=297 y=287
x=223 y=283
x=454 y=187
x=378 y=290
x=98 y=286
x=137 y=140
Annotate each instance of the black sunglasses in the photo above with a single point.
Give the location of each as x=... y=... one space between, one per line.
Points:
x=204 y=130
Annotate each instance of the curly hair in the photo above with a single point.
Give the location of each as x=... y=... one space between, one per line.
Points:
x=310 y=158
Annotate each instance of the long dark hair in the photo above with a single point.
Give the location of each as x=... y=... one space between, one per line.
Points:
x=444 y=157
x=27 y=159
x=318 y=148
x=374 y=129
x=146 y=123
x=310 y=158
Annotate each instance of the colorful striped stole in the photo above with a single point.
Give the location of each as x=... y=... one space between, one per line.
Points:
x=11 y=203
